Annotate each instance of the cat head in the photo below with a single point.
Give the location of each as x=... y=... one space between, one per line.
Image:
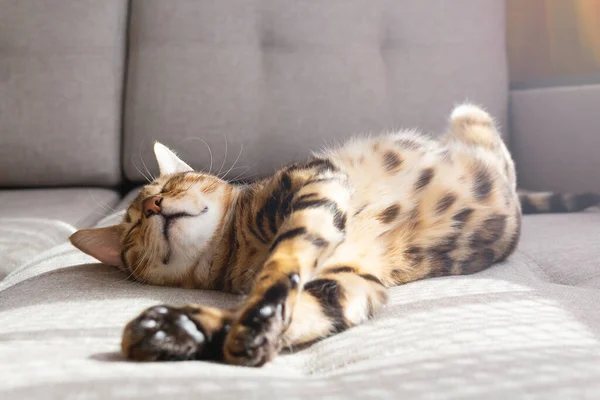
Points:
x=166 y=228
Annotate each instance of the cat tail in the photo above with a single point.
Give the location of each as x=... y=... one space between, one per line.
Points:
x=548 y=202
x=473 y=125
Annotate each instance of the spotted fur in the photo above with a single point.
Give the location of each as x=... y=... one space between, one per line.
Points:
x=314 y=246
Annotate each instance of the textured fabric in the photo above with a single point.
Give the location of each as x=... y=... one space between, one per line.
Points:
x=527 y=328
x=32 y=221
x=61 y=73
x=77 y=207
x=278 y=78
x=555 y=138
x=22 y=239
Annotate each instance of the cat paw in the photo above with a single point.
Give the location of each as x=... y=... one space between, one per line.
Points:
x=255 y=338
x=163 y=333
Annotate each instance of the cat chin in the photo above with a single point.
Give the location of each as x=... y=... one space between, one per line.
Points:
x=195 y=231
x=187 y=241
x=183 y=236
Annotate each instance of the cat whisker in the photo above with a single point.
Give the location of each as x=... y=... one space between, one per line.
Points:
x=144 y=164
x=133 y=270
x=243 y=179
x=224 y=157
x=211 y=156
x=207 y=146
x=105 y=207
x=130 y=274
x=234 y=163
x=140 y=171
x=245 y=167
x=112 y=214
x=145 y=257
x=242 y=175
x=102 y=214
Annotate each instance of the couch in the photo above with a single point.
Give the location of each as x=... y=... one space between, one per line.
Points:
x=240 y=87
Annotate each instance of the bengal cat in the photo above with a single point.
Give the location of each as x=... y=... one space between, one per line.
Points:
x=315 y=246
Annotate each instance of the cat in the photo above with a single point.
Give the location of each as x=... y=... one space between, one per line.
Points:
x=315 y=246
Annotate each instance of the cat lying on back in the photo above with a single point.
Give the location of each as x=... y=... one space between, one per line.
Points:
x=316 y=245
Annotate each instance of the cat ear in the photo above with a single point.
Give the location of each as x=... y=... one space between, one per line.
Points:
x=168 y=162
x=104 y=244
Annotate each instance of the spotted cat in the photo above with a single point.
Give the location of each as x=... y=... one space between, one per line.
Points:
x=315 y=246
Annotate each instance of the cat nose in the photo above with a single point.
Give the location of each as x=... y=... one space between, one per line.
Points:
x=151 y=206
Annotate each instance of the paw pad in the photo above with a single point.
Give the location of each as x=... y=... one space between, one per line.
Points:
x=162 y=333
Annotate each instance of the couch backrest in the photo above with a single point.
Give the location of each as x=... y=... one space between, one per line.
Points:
x=278 y=77
x=282 y=77
x=61 y=78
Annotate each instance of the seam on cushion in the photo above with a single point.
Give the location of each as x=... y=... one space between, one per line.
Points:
x=550 y=280
x=537 y=265
x=587 y=278
x=127 y=31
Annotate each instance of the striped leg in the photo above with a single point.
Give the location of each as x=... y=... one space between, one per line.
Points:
x=338 y=298
x=314 y=228
x=341 y=296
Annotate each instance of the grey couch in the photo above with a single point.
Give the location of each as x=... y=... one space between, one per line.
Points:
x=86 y=86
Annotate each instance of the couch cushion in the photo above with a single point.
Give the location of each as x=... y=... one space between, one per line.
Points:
x=529 y=327
x=279 y=78
x=555 y=140
x=22 y=239
x=79 y=207
x=32 y=221
x=61 y=77
x=567 y=254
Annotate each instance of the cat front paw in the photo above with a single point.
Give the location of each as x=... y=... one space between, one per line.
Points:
x=165 y=333
x=255 y=338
